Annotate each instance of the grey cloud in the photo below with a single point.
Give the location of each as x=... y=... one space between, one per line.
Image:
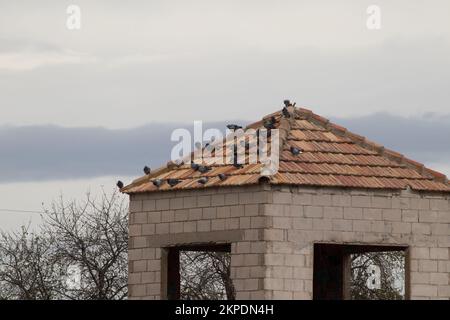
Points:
x=425 y=139
x=37 y=153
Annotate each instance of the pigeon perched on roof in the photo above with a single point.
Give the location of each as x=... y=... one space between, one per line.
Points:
x=269 y=123
x=119 y=184
x=286 y=112
x=234 y=127
x=147 y=170
x=157 y=183
x=295 y=151
x=204 y=169
x=173 y=182
x=198 y=145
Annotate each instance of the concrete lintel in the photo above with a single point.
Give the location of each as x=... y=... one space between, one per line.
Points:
x=192 y=238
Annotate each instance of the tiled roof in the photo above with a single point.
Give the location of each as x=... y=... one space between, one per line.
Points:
x=331 y=157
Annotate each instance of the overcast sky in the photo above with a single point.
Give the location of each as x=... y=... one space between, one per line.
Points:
x=79 y=108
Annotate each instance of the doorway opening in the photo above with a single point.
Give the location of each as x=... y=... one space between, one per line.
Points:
x=199 y=272
x=360 y=272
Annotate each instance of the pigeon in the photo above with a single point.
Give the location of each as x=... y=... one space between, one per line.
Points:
x=147 y=170
x=119 y=184
x=195 y=166
x=286 y=113
x=203 y=180
x=237 y=165
x=173 y=182
x=198 y=145
x=287 y=103
x=204 y=169
x=295 y=151
x=234 y=127
x=269 y=123
x=222 y=176
x=157 y=183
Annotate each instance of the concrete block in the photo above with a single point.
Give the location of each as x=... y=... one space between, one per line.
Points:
x=321 y=200
x=148 y=229
x=302 y=199
x=333 y=212
x=361 y=201
x=154 y=217
x=322 y=224
x=162 y=204
x=439 y=253
x=392 y=214
x=195 y=214
x=218 y=224
x=410 y=215
x=190 y=226
x=353 y=213
x=176 y=203
x=204 y=201
x=372 y=214
x=420 y=253
x=313 y=212
x=342 y=225
x=282 y=197
x=176 y=227
x=302 y=223
x=204 y=226
x=218 y=200
x=401 y=227
x=382 y=202
x=341 y=200
x=421 y=228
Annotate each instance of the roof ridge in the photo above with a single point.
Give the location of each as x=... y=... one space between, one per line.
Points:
x=373 y=146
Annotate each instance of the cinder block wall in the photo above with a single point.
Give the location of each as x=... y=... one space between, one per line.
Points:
x=219 y=215
x=302 y=216
x=272 y=230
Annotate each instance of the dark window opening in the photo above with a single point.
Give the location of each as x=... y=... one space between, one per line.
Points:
x=359 y=272
x=200 y=272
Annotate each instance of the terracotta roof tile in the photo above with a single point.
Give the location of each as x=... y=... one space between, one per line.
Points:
x=330 y=156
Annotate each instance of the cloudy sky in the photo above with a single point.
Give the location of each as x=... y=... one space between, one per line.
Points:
x=81 y=108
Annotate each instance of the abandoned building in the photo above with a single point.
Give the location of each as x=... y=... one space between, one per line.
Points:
x=290 y=234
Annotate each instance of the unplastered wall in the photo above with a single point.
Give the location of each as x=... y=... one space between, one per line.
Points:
x=272 y=231
x=211 y=215
x=299 y=217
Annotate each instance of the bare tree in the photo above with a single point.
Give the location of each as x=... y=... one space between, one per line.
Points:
x=392 y=275
x=205 y=275
x=93 y=237
x=27 y=266
x=90 y=237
